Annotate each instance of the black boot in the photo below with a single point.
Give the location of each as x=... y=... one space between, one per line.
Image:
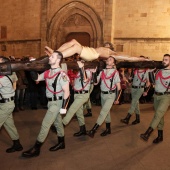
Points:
x=81 y=132
x=107 y=131
x=146 y=135
x=16 y=147
x=137 y=120
x=59 y=145
x=126 y=119
x=159 y=138
x=89 y=113
x=33 y=152
x=93 y=130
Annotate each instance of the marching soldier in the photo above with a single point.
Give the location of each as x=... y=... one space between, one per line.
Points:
x=7 y=105
x=57 y=92
x=161 y=101
x=110 y=82
x=140 y=85
x=81 y=95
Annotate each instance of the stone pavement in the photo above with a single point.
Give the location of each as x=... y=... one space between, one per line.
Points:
x=121 y=150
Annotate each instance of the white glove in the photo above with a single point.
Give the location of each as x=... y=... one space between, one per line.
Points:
x=63 y=111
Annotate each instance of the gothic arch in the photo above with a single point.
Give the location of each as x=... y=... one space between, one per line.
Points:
x=58 y=28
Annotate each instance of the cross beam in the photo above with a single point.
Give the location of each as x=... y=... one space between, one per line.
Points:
x=41 y=64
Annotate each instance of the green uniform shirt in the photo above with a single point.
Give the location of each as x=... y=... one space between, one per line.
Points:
x=140 y=77
x=109 y=79
x=162 y=81
x=6 y=87
x=50 y=78
x=78 y=82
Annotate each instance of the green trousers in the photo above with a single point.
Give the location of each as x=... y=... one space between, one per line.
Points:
x=136 y=94
x=52 y=116
x=161 y=104
x=76 y=107
x=87 y=105
x=106 y=102
x=6 y=119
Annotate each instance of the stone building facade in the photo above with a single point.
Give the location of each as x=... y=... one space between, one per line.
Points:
x=139 y=27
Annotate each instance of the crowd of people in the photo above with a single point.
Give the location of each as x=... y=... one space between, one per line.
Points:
x=69 y=93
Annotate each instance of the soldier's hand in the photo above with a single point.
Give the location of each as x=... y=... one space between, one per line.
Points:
x=93 y=70
x=116 y=102
x=145 y=93
x=80 y=64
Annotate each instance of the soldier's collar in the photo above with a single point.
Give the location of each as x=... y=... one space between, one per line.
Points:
x=110 y=68
x=54 y=68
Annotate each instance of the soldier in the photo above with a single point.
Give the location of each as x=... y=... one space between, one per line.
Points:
x=87 y=53
x=140 y=85
x=88 y=104
x=81 y=95
x=57 y=92
x=7 y=105
x=161 y=101
x=110 y=82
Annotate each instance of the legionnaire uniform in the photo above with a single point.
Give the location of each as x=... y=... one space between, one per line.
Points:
x=139 y=80
x=7 y=105
x=55 y=79
x=81 y=95
x=161 y=104
x=109 y=79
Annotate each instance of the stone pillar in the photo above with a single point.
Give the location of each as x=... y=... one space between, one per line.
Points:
x=43 y=26
x=109 y=20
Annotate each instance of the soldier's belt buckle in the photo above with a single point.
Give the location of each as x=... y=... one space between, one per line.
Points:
x=83 y=92
x=110 y=92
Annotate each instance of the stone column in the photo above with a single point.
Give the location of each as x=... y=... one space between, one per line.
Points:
x=43 y=26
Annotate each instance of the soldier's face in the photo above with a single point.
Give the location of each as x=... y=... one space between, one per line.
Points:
x=110 y=61
x=166 y=61
x=53 y=59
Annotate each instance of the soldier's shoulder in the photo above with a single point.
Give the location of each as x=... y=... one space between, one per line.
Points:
x=64 y=76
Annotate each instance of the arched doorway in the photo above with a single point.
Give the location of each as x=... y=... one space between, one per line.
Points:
x=75 y=20
x=82 y=37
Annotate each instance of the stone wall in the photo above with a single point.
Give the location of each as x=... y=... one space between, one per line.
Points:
x=142 y=27
x=22 y=22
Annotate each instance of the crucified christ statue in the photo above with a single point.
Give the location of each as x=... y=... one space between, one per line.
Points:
x=88 y=53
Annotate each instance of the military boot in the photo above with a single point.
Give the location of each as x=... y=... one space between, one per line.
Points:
x=107 y=131
x=159 y=138
x=15 y=147
x=145 y=136
x=137 y=120
x=126 y=119
x=59 y=145
x=93 y=130
x=34 y=151
x=89 y=113
x=81 y=132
